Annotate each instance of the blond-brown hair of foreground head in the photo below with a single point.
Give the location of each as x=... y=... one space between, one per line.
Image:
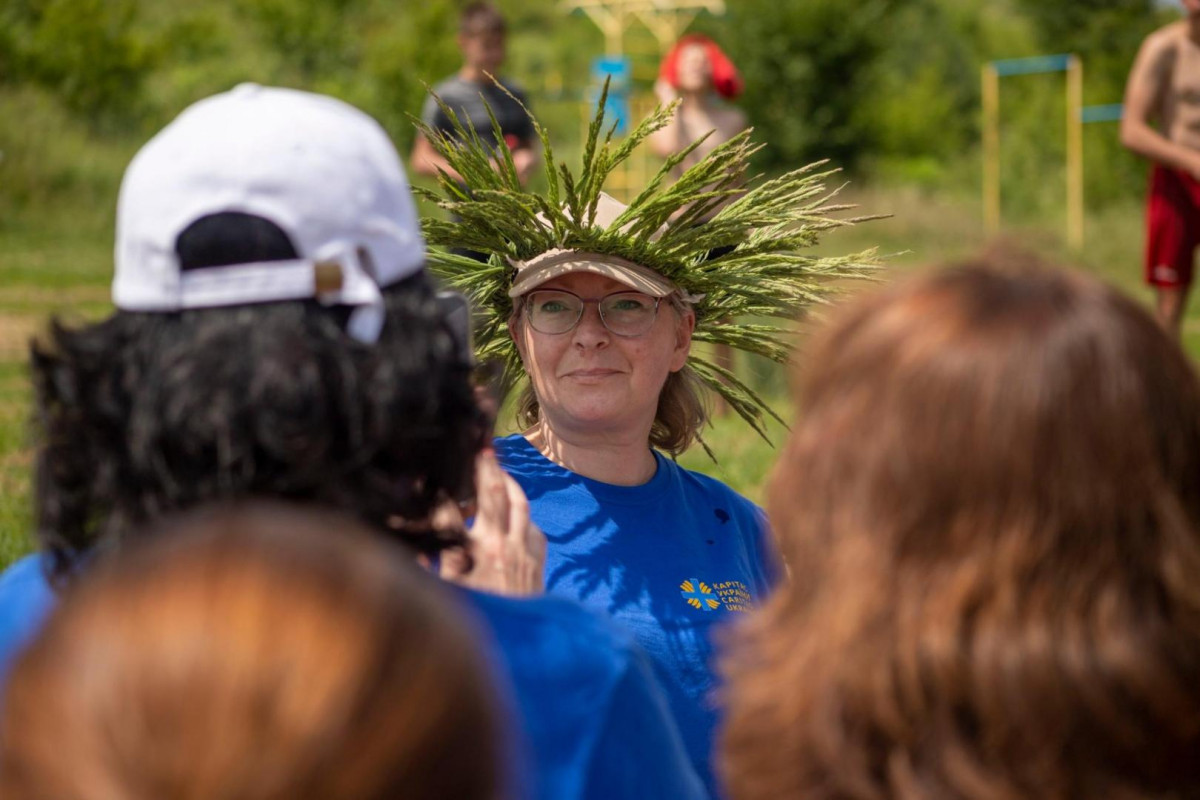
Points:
x=990 y=507
x=257 y=654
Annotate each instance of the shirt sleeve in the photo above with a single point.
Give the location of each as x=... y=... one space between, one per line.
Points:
x=640 y=732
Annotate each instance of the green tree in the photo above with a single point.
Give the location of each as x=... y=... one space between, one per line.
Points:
x=91 y=53
x=315 y=37
x=807 y=68
x=923 y=94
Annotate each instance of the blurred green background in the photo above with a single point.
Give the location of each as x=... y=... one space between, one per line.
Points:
x=888 y=89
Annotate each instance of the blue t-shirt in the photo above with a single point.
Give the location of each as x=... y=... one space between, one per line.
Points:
x=670 y=560
x=595 y=722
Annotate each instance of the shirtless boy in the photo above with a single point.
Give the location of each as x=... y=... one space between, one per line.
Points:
x=1164 y=88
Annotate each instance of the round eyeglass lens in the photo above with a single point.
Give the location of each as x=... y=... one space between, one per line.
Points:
x=553 y=312
x=629 y=313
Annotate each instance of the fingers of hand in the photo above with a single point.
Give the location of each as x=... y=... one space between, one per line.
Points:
x=491 y=497
x=518 y=509
x=509 y=551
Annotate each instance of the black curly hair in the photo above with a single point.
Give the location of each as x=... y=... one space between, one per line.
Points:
x=146 y=414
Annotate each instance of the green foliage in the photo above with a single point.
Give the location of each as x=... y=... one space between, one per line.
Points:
x=69 y=168
x=807 y=68
x=315 y=37
x=15 y=516
x=401 y=54
x=886 y=88
x=91 y=53
x=1104 y=32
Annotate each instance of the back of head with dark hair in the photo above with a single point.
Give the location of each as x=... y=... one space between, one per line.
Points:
x=148 y=414
x=991 y=509
x=249 y=654
x=480 y=18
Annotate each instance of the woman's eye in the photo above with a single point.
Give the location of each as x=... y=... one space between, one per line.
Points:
x=552 y=307
x=628 y=304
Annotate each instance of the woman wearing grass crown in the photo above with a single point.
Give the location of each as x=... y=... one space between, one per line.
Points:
x=599 y=304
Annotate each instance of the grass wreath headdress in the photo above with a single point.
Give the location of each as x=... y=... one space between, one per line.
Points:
x=669 y=229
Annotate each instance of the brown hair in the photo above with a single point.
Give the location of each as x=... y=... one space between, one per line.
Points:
x=478 y=19
x=990 y=508
x=682 y=407
x=252 y=655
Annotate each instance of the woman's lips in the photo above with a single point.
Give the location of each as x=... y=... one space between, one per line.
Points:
x=593 y=374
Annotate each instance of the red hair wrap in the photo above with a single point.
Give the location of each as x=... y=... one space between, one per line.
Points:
x=725 y=78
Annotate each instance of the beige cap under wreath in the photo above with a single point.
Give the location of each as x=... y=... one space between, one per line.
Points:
x=553 y=263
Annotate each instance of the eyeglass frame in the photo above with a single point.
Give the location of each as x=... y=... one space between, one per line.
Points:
x=525 y=303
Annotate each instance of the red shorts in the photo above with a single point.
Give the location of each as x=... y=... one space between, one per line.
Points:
x=1172 y=227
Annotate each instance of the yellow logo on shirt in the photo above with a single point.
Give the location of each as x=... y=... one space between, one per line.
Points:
x=699 y=594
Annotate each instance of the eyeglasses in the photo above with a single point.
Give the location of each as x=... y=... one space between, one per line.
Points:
x=556 y=311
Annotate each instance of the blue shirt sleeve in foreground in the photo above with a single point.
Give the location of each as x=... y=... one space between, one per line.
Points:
x=25 y=600
x=634 y=733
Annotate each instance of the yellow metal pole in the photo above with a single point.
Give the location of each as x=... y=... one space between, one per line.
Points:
x=1075 y=153
x=991 y=149
x=613 y=36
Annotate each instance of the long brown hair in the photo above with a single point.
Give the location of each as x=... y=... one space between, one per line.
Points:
x=991 y=511
x=251 y=655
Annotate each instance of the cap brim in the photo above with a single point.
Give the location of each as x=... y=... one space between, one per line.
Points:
x=535 y=272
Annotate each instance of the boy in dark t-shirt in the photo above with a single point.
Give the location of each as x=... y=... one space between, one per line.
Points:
x=482 y=35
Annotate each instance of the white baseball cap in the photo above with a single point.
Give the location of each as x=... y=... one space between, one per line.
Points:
x=323 y=172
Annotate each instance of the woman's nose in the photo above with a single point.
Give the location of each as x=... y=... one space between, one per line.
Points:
x=590 y=332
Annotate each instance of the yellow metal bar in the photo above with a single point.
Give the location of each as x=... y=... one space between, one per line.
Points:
x=667 y=27
x=991 y=149
x=611 y=22
x=1075 y=153
x=666 y=19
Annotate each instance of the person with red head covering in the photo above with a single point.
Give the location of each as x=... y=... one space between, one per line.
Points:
x=696 y=71
x=722 y=73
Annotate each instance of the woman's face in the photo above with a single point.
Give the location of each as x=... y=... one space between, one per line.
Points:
x=591 y=380
x=694 y=73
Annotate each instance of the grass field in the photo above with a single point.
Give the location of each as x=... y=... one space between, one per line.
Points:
x=64 y=268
